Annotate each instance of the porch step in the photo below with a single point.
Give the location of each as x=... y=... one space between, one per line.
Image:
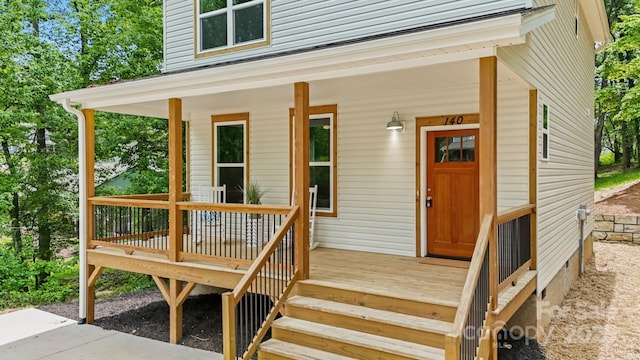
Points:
x=394 y=325
x=279 y=350
x=347 y=342
x=437 y=310
x=511 y=298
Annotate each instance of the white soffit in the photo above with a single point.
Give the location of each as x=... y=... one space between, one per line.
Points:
x=442 y=45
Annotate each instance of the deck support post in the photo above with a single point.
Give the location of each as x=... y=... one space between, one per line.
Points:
x=533 y=174
x=175 y=311
x=301 y=176
x=488 y=105
x=175 y=216
x=89 y=149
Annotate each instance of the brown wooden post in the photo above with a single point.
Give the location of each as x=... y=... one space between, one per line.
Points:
x=533 y=173
x=175 y=311
x=228 y=326
x=452 y=347
x=175 y=216
x=89 y=149
x=489 y=166
x=301 y=170
x=175 y=178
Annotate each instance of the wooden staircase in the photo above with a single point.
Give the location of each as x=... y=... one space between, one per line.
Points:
x=326 y=321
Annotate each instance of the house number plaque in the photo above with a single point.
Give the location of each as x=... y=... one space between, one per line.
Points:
x=449 y=120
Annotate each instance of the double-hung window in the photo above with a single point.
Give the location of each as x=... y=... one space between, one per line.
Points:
x=322 y=156
x=230 y=154
x=225 y=24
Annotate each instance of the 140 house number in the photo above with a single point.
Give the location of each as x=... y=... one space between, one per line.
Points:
x=454 y=120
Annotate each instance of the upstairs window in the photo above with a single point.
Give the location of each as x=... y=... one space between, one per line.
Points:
x=231 y=24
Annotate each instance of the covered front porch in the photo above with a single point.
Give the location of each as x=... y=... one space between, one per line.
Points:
x=372 y=236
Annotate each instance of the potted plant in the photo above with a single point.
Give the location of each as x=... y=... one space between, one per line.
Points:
x=253 y=194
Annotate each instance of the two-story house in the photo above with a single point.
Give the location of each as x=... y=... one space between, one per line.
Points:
x=451 y=143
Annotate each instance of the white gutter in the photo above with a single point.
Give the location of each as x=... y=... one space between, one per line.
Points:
x=82 y=236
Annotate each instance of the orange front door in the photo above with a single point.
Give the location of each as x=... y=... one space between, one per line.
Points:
x=452 y=202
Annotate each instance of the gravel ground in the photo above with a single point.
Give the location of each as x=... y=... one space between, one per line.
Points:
x=600 y=316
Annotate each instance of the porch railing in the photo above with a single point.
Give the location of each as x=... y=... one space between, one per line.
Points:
x=514 y=244
x=470 y=324
x=232 y=233
x=253 y=305
x=130 y=224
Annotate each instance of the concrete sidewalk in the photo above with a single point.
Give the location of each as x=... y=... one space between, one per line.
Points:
x=43 y=336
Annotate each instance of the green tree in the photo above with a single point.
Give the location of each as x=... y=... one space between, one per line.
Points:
x=616 y=124
x=49 y=47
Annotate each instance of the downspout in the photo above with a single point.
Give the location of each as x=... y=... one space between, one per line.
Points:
x=82 y=184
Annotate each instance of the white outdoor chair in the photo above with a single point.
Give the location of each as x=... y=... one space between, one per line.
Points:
x=210 y=219
x=313 y=197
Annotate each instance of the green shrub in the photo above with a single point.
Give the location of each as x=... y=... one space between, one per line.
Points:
x=18 y=274
x=607 y=159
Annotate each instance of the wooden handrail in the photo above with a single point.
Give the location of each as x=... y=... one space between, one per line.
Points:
x=482 y=246
x=239 y=208
x=140 y=196
x=231 y=299
x=139 y=203
x=514 y=213
x=255 y=268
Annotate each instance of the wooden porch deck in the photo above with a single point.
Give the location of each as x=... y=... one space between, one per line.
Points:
x=392 y=275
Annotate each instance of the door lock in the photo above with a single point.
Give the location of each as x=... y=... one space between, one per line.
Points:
x=429 y=202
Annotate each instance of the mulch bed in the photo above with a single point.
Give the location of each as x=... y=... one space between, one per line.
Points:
x=146 y=314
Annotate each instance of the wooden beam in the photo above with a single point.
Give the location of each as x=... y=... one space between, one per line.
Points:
x=175 y=311
x=150 y=264
x=89 y=118
x=185 y=292
x=488 y=166
x=301 y=179
x=533 y=173
x=163 y=287
x=94 y=275
x=175 y=178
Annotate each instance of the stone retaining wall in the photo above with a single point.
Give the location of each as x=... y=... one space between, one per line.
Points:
x=617 y=228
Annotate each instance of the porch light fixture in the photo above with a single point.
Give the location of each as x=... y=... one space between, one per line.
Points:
x=395 y=123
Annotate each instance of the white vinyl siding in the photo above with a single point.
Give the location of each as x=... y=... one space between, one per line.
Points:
x=303 y=24
x=560 y=66
x=513 y=145
x=376 y=167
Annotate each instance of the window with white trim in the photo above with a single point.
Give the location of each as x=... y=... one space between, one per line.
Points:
x=322 y=156
x=226 y=24
x=545 y=132
x=230 y=155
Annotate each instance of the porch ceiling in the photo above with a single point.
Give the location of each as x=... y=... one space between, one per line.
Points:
x=421 y=79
